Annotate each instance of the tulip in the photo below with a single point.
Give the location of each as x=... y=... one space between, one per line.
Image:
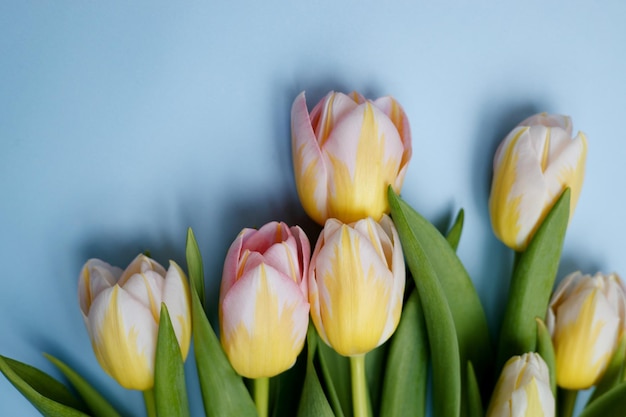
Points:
x=346 y=153
x=586 y=320
x=532 y=167
x=523 y=389
x=264 y=312
x=356 y=284
x=121 y=310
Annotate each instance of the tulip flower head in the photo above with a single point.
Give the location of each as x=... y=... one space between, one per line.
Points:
x=346 y=153
x=586 y=319
x=356 y=284
x=264 y=311
x=534 y=164
x=122 y=309
x=523 y=389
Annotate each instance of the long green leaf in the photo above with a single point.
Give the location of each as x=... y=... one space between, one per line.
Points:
x=611 y=404
x=375 y=366
x=335 y=373
x=454 y=234
x=170 y=392
x=475 y=404
x=194 y=265
x=532 y=282
x=313 y=402
x=546 y=351
x=46 y=394
x=406 y=373
x=223 y=391
x=614 y=371
x=98 y=405
x=444 y=345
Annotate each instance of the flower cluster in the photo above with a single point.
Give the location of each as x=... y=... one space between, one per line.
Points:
x=350 y=157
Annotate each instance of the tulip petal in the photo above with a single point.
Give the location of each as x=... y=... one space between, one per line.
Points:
x=329 y=112
x=309 y=167
x=363 y=155
x=231 y=273
x=146 y=288
x=304 y=256
x=269 y=234
x=354 y=292
x=264 y=322
x=176 y=297
x=123 y=334
x=95 y=276
x=141 y=263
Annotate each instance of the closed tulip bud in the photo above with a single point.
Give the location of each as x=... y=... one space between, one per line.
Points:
x=532 y=167
x=122 y=310
x=523 y=389
x=586 y=319
x=356 y=284
x=264 y=311
x=346 y=153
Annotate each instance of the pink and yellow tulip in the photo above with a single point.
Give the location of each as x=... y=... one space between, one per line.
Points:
x=356 y=284
x=586 y=319
x=534 y=164
x=121 y=310
x=346 y=153
x=264 y=312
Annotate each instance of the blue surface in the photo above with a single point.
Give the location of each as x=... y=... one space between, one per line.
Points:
x=123 y=123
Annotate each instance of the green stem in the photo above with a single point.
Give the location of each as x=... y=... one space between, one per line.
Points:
x=359 y=386
x=566 y=401
x=262 y=396
x=148 y=398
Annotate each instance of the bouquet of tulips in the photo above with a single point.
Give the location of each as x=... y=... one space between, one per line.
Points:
x=378 y=329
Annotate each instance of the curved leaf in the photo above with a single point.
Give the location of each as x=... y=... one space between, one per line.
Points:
x=98 y=405
x=406 y=373
x=444 y=345
x=335 y=373
x=532 y=282
x=313 y=402
x=46 y=394
x=194 y=265
x=170 y=392
x=546 y=350
x=474 y=402
x=611 y=404
x=454 y=234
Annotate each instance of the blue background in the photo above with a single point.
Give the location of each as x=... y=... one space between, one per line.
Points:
x=124 y=123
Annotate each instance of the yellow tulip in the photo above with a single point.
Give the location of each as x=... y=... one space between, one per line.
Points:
x=534 y=164
x=121 y=310
x=264 y=310
x=356 y=284
x=346 y=153
x=523 y=389
x=586 y=320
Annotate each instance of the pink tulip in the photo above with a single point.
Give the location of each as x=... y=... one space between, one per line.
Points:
x=264 y=312
x=346 y=153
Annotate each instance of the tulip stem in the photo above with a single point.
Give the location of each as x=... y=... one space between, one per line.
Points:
x=359 y=386
x=261 y=395
x=566 y=401
x=148 y=398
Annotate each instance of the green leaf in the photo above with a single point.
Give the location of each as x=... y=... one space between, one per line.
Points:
x=170 y=392
x=454 y=234
x=532 y=282
x=194 y=265
x=98 y=405
x=474 y=402
x=223 y=390
x=611 y=404
x=614 y=373
x=335 y=372
x=46 y=394
x=444 y=345
x=546 y=350
x=313 y=402
x=375 y=361
x=406 y=374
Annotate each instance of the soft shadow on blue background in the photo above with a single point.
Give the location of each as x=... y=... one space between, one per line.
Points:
x=122 y=124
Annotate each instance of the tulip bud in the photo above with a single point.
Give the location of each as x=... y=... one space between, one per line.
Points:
x=356 y=284
x=264 y=312
x=523 y=389
x=586 y=320
x=532 y=167
x=346 y=153
x=122 y=310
